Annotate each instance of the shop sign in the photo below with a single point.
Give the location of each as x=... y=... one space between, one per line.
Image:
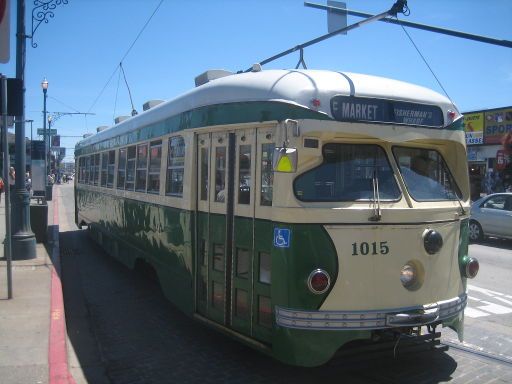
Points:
x=474 y=128
x=501 y=160
x=497 y=124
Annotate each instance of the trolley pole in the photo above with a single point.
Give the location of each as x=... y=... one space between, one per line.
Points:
x=23 y=239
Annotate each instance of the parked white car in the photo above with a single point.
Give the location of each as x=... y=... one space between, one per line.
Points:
x=491 y=216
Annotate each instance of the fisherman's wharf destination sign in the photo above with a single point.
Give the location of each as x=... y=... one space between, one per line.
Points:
x=351 y=108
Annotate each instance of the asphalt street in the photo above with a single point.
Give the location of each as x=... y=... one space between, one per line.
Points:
x=121 y=329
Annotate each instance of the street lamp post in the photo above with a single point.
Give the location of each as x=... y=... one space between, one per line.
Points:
x=44 y=85
x=49 y=149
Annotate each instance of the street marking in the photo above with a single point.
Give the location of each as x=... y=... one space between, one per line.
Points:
x=474 y=313
x=495 y=308
x=503 y=300
x=475 y=309
x=487 y=292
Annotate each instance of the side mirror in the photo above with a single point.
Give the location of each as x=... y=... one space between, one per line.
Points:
x=285 y=160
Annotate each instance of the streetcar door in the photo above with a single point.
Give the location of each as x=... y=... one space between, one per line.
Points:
x=252 y=237
x=233 y=247
x=213 y=244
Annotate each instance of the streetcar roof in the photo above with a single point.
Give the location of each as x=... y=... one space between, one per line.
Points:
x=298 y=87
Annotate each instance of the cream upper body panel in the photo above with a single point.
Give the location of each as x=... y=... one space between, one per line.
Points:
x=370 y=259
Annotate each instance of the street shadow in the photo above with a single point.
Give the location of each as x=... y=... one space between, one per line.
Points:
x=496 y=243
x=123 y=330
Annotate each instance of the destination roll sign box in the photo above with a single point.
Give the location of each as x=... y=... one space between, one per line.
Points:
x=351 y=108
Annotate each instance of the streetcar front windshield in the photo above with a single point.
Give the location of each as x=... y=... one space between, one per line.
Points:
x=426 y=174
x=349 y=172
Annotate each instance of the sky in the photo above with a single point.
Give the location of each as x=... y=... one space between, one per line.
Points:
x=80 y=48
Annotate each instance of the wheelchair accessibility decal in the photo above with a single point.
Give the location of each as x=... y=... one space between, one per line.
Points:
x=282 y=237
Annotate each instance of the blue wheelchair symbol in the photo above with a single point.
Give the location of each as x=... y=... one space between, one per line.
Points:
x=281 y=238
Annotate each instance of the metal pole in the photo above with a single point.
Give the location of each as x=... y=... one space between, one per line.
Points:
x=430 y=28
x=23 y=239
x=5 y=149
x=329 y=35
x=49 y=146
x=45 y=135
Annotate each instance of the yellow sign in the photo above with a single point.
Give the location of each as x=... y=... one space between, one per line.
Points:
x=474 y=127
x=474 y=122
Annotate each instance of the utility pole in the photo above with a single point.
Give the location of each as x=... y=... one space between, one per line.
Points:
x=23 y=239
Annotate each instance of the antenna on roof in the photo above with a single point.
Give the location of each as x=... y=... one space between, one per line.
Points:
x=134 y=111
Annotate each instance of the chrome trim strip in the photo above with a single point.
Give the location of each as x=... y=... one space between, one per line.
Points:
x=373 y=319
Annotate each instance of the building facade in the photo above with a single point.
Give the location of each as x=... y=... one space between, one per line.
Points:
x=487 y=158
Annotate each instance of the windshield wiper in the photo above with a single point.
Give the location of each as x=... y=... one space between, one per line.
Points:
x=376 y=198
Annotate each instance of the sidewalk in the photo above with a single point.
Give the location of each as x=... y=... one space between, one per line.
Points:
x=32 y=323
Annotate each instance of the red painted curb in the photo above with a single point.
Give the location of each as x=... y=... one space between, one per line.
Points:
x=57 y=350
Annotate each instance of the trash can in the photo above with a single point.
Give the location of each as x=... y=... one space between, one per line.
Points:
x=39 y=221
x=49 y=192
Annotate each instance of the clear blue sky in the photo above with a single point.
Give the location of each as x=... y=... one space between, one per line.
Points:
x=81 y=47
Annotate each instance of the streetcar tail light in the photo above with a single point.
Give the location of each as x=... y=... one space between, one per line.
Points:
x=471 y=267
x=451 y=115
x=319 y=281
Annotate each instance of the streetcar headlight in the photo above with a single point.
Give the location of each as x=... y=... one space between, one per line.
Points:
x=408 y=275
x=319 y=281
x=471 y=267
x=432 y=241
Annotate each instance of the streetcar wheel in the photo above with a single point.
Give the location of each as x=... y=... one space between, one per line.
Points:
x=475 y=231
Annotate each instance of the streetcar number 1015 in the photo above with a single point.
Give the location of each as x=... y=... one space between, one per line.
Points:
x=374 y=248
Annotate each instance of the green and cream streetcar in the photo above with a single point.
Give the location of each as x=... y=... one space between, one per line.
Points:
x=297 y=210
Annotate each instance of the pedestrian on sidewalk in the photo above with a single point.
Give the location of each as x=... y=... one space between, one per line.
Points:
x=12 y=183
x=2 y=185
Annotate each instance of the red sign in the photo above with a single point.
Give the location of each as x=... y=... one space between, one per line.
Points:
x=501 y=160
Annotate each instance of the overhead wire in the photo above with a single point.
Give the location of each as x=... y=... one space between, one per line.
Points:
x=426 y=63
x=117 y=93
x=125 y=55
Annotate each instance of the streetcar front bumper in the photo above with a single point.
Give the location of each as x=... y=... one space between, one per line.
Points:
x=374 y=319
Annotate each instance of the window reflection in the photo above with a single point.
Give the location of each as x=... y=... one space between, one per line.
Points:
x=426 y=174
x=244 y=174
x=220 y=174
x=267 y=174
x=348 y=173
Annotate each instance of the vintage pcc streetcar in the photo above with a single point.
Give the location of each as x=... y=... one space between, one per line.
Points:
x=297 y=210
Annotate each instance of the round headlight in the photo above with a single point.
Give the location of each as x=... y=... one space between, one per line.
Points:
x=408 y=275
x=319 y=281
x=433 y=241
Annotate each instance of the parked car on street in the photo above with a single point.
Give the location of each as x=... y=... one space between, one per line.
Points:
x=491 y=216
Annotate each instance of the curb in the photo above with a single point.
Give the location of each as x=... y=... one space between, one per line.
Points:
x=57 y=349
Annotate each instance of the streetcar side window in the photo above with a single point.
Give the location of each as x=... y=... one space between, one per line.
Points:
x=81 y=170
x=348 y=172
x=96 y=179
x=87 y=169
x=130 y=168
x=267 y=174
x=426 y=174
x=142 y=168
x=175 y=167
x=155 y=159
x=121 y=169
x=104 y=166
x=220 y=174
x=111 y=168
x=244 y=174
x=204 y=173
